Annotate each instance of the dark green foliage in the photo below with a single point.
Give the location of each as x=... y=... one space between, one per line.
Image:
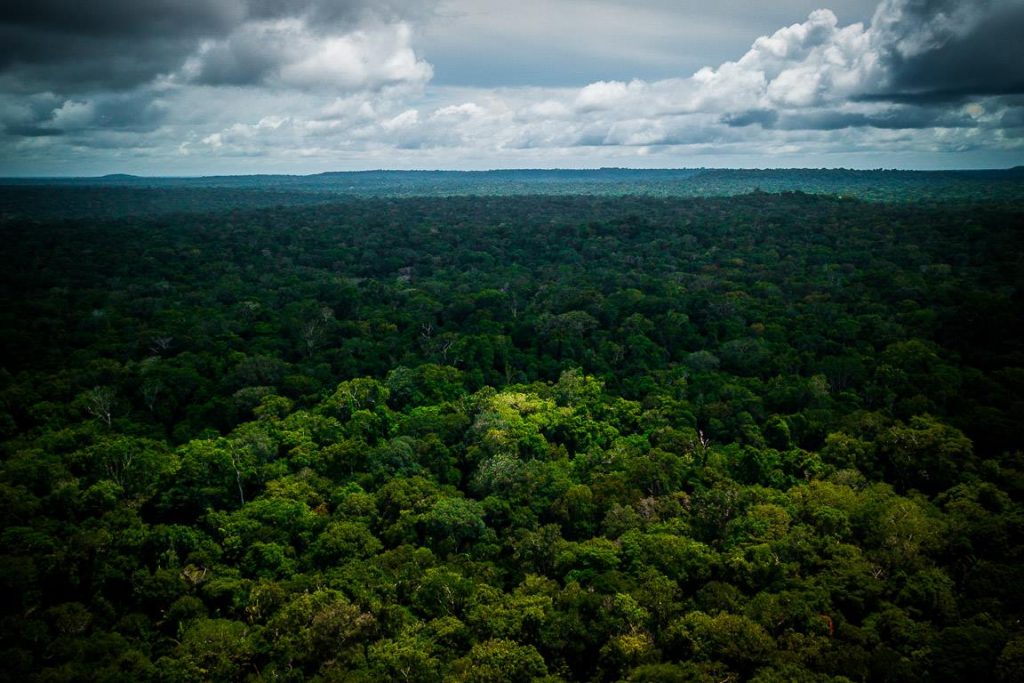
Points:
x=538 y=438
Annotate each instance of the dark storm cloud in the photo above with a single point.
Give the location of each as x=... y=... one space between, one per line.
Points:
x=48 y=115
x=1013 y=118
x=121 y=17
x=32 y=60
x=77 y=45
x=138 y=112
x=897 y=118
x=989 y=61
x=28 y=115
x=241 y=59
x=141 y=18
x=764 y=117
x=901 y=118
x=332 y=13
x=947 y=50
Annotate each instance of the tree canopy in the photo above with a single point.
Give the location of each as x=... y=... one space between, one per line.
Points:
x=772 y=437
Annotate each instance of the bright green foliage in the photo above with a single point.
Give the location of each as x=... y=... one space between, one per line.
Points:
x=500 y=660
x=731 y=638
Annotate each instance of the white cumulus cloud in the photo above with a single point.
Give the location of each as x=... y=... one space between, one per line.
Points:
x=288 y=52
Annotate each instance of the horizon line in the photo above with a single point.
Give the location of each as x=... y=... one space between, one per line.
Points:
x=592 y=169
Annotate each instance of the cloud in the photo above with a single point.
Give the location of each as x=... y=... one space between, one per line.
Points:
x=897 y=118
x=288 y=52
x=22 y=116
x=198 y=85
x=818 y=75
x=72 y=46
x=807 y=64
x=815 y=78
x=46 y=114
x=605 y=95
x=764 y=117
x=948 y=49
x=558 y=43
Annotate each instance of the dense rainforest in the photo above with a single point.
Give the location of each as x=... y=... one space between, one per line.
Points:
x=548 y=437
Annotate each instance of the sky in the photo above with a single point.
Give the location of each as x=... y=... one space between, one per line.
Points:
x=201 y=87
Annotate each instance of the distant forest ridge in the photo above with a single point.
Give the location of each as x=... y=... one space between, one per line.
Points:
x=346 y=181
x=679 y=182
x=126 y=195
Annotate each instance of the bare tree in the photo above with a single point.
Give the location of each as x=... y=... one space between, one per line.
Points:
x=150 y=392
x=700 y=446
x=99 y=401
x=161 y=345
x=314 y=329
